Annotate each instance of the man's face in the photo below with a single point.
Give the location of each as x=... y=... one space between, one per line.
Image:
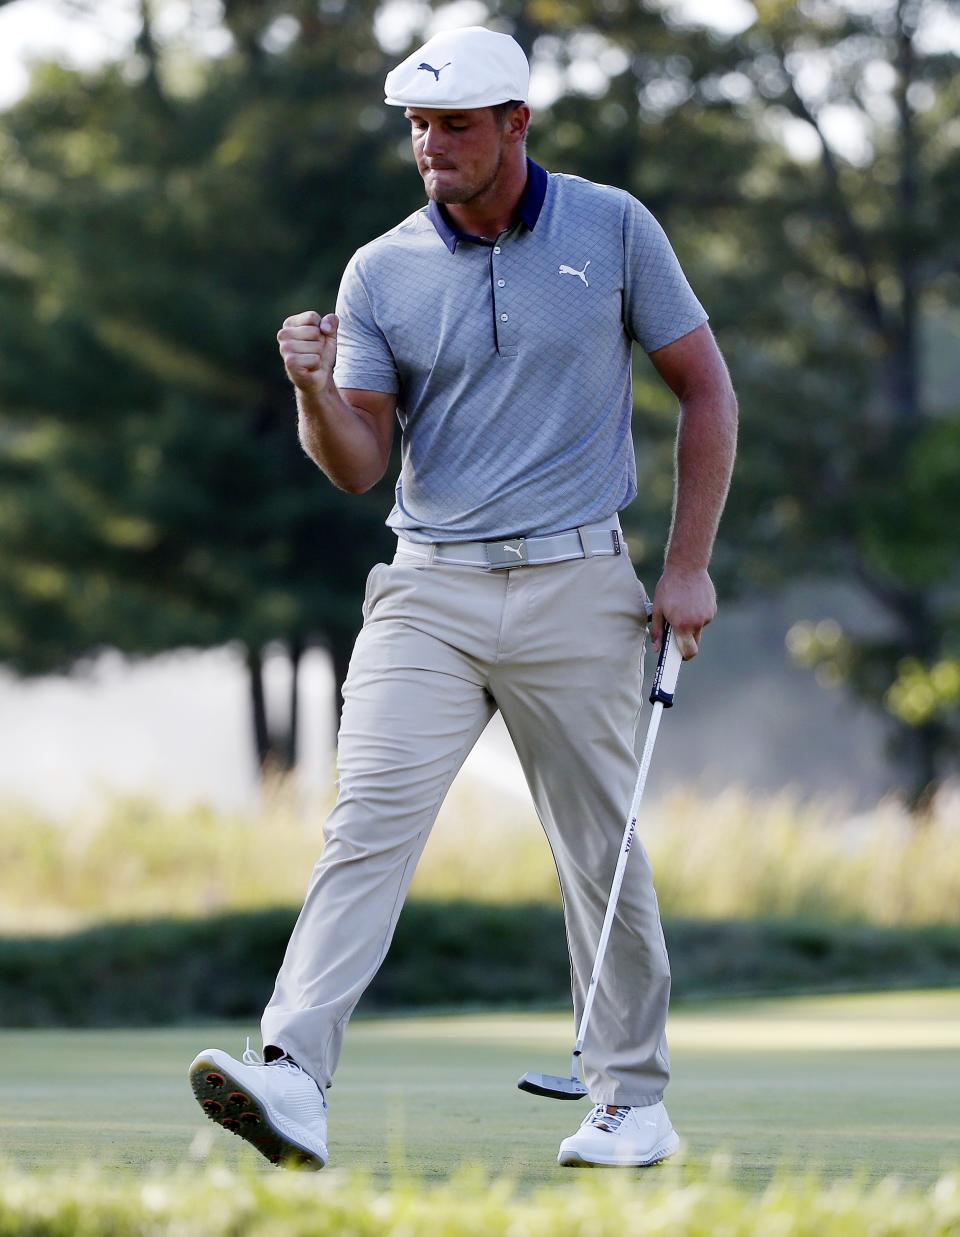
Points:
x=458 y=153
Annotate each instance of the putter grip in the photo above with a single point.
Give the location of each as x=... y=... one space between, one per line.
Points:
x=668 y=669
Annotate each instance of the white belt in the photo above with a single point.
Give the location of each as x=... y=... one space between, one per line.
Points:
x=602 y=538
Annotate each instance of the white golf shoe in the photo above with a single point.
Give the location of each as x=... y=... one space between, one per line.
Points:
x=275 y=1105
x=621 y=1135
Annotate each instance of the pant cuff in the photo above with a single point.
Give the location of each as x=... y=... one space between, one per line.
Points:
x=276 y=1041
x=619 y=1097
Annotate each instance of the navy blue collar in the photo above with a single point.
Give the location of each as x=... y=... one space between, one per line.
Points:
x=528 y=211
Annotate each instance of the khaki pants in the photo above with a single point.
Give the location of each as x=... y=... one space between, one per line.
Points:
x=558 y=649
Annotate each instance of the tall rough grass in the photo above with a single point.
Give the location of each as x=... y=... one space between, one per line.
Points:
x=216 y=1201
x=733 y=855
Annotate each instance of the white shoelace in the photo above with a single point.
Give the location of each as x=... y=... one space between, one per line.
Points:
x=252 y=1057
x=608 y=1121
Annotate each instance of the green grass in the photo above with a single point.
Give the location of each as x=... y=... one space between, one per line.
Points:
x=224 y=1203
x=866 y=1084
x=733 y=856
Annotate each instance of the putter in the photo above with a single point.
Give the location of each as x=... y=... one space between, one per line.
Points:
x=555 y=1086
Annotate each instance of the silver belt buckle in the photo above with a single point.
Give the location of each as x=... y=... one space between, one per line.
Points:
x=507 y=554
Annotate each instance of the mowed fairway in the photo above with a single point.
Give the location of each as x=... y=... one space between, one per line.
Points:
x=864 y=1084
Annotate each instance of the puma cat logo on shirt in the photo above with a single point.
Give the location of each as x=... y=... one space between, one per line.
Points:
x=569 y=270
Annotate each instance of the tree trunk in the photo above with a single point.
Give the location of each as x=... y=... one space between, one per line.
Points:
x=903 y=367
x=340 y=650
x=925 y=743
x=296 y=656
x=901 y=379
x=146 y=46
x=261 y=732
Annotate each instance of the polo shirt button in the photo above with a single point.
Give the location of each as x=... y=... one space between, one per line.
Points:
x=496 y=249
x=504 y=317
x=501 y=283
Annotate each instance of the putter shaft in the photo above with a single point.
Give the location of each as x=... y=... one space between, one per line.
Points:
x=621 y=868
x=664 y=684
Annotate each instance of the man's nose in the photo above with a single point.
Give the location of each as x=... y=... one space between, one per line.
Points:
x=432 y=143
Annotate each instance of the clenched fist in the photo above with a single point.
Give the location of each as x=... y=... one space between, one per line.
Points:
x=308 y=345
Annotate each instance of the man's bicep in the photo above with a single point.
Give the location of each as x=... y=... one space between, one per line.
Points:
x=378 y=409
x=692 y=362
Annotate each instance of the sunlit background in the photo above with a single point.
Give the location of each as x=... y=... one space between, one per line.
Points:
x=176 y=725
x=180 y=589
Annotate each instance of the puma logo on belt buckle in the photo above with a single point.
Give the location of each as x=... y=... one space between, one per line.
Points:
x=507 y=553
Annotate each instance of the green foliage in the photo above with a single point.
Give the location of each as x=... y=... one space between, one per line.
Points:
x=160 y=219
x=757 y=896
x=732 y=857
x=217 y=1201
x=155 y=493
x=821 y=646
x=157 y=972
x=823 y=274
x=920 y=693
x=903 y=527
x=449 y=955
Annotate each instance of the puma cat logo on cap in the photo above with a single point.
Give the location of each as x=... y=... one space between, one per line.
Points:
x=436 y=72
x=478 y=68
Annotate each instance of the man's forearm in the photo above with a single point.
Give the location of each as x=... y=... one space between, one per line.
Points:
x=339 y=439
x=706 y=447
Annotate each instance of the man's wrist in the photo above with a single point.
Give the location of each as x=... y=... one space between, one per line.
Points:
x=677 y=562
x=319 y=402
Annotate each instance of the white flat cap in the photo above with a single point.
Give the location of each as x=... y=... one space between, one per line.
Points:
x=465 y=68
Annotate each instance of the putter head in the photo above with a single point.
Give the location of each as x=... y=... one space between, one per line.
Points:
x=553 y=1086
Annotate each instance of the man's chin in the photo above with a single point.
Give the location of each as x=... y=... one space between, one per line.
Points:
x=445 y=194
x=450 y=197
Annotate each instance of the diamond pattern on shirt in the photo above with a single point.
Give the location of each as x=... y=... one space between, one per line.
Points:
x=515 y=401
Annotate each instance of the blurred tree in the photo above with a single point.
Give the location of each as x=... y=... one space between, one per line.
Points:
x=861 y=249
x=166 y=215
x=808 y=172
x=157 y=491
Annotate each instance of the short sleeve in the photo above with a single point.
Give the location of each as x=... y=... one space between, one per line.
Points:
x=364 y=359
x=659 y=304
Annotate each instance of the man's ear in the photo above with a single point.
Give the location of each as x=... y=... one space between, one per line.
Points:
x=518 y=122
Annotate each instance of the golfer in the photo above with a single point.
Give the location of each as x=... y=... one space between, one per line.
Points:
x=496 y=324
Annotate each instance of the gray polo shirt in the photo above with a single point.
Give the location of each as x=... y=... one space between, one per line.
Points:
x=511 y=359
